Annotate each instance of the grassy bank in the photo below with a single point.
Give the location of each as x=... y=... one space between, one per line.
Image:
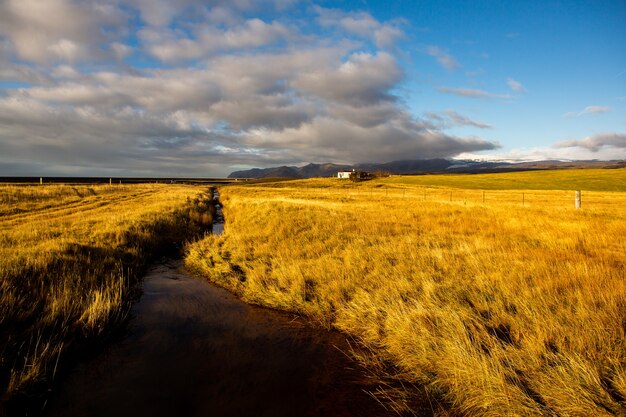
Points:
x=499 y=308
x=69 y=259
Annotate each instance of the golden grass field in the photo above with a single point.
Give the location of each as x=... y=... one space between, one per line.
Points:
x=69 y=256
x=507 y=303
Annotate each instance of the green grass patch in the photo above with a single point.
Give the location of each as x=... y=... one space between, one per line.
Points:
x=570 y=179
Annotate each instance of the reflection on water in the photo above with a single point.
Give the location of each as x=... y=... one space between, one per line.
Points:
x=218 y=223
x=193 y=349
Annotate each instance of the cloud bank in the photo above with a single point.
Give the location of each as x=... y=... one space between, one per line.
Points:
x=198 y=88
x=603 y=146
x=597 y=142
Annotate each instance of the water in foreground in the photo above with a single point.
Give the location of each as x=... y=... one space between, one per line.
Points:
x=193 y=349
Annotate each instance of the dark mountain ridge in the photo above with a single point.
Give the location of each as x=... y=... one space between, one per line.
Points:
x=419 y=166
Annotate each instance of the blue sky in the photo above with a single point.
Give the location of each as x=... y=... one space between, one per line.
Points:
x=201 y=88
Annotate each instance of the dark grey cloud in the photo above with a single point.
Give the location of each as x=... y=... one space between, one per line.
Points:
x=328 y=138
x=84 y=137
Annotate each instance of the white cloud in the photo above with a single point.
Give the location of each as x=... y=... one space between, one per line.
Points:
x=66 y=49
x=65 y=72
x=515 y=85
x=59 y=30
x=362 y=79
x=471 y=93
x=23 y=73
x=450 y=118
x=544 y=154
x=121 y=50
x=386 y=36
x=361 y=24
x=161 y=13
x=445 y=60
x=589 y=110
x=171 y=45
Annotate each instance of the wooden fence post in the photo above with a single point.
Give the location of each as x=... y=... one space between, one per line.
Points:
x=523 y=200
x=40 y=180
x=578 y=200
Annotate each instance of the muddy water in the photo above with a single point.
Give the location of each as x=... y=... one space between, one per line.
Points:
x=193 y=349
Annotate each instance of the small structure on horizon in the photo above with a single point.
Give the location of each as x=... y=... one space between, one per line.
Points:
x=345 y=174
x=354 y=175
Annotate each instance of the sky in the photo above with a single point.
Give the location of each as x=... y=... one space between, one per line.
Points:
x=202 y=88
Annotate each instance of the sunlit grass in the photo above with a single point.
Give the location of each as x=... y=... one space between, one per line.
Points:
x=565 y=179
x=69 y=256
x=502 y=307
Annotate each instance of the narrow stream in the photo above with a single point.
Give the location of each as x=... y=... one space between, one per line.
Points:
x=193 y=349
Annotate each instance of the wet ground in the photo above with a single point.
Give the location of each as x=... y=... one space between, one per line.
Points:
x=193 y=349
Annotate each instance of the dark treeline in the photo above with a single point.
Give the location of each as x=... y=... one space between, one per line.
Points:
x=114 y=180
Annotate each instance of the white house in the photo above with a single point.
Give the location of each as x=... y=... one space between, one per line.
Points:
x=344 y=174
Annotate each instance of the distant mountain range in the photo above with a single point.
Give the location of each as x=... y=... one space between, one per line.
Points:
x=419 y=166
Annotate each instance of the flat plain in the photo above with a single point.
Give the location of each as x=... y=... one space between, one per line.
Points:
x=492 y=291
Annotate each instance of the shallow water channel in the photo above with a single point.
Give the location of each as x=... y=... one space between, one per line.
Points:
x=193 y=349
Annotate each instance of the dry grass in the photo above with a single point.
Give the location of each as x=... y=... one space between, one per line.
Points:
x=498 y=308
x=69 y=256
